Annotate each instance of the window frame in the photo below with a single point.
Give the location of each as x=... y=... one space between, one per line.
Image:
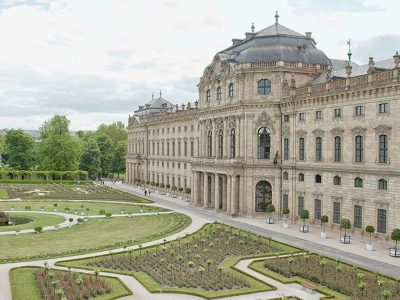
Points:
x=383 y=141
x=338 y=148
x=264 y=87
x=231 y=90
x=302 y=148
x=208 y=97
x=219 y=93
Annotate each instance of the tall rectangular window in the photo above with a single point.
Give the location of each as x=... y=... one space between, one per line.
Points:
x=285 y=201
x=381 y=222
x=338 y=148
x=357 y=216
x=317 y=209
x=285 y=148
x=179 y=148
x=336 y=212
x=185 y=148
x=318 y=149
x=383 y=148
x=167 y=148
x=300 y=204
x=173 y=148
x=359 y=155
x=191 y=148
x=301 y=148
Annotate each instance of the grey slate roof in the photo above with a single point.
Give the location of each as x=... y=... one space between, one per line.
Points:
x=156 y=105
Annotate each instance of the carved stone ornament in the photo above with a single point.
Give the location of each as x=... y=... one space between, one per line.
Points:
x=286 y=130
x=318 y=132
x=219 y=124
x=358 y=130
x=301 y=133
x=264 y=120
x=337 y=131
x=132 y=121
x=231 y=122
x=258 y=178
x=382 y=129
x=209 y=125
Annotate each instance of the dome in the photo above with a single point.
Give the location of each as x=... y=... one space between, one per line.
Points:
x=275 y=43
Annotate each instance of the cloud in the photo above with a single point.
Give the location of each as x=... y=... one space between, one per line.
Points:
x=379 y=47
x=6 y=4
x=305 y=6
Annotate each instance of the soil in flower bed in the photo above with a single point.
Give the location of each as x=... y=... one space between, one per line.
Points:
x=55 y=284
x=194 y=261
x=337 y=276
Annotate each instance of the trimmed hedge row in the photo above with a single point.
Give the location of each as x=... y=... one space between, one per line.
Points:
x=42 y=175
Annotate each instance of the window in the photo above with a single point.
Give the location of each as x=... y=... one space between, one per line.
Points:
x=358 y=182
x=357 y=216
x=286 y=118
x=219 y=93
x=285 y=201
x=382 y=184
x=318 y=178
x=209 y=144
x=338 y=112
x=359 y=110
x=208 y=93
x=264 y=143
x=231 y=90
x=154 y=148
x=359 y=140
x=383 y=148
x=302 y=116
x=185 y=148
x=173 y=148
x=191 y=148
x=220 y=143
x=301 y=177
x=338 y=148
x=233 y=143
x=337 y=180
x=301 y=148
x=318 y=115
x=381 y=222
x=285 y=176
x=336 y=212
x=318 y=149
x=300 y=204
x=383 y=108
x=264 y=87
x=179 y=148
x=317 y=209
x=285 y=148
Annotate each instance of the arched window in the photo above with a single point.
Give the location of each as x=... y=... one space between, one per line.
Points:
x=263 y=195
x=358 y=182
x=337 y=180
x=264 y=87
x=233 y=143
x=382 y=184
x=318 y=178
x=220 y=143
x=318 y=149
x=359 y=155
x=383 y=148
x=338 y=148
x=264 y=143
x=208 y=93
x=301 y=177
x=285 y=176
x=209 y=144
x=231 y=90
x=219 y=93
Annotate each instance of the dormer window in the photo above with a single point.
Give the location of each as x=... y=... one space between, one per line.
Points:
x=264 y=87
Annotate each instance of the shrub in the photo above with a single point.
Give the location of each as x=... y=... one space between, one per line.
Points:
x=174 y=188
x=162 y=185
x=38 y=229
x=286 y=211
x=188 y=190
x=108 y=215
x=324 y=220
x=395 y=236
x=28 y=207
x=304 y=215
x=67 y=209
x=102 y=212
x=345 y=224
x=270 y=208
x=168 y=186
x=180 y=189
x=370 y=229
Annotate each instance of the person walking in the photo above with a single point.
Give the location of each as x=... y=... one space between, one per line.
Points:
x=145 y=193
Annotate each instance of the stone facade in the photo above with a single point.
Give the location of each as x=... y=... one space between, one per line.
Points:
x=266 y=132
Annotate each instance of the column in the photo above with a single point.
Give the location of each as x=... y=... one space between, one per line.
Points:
x=126 y=172
x=224 y=194
x=235 y=195
x=241 y=137
x=217 y=200
x=195 y=187
x=228 y=193
x=205 y=190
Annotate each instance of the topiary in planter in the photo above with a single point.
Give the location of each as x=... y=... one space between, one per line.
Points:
x=180 y=189
x=286 y=212
x=324 y=220
x=370 y=229
x=108 y=215
x=345 y=224
x=304 y=215
x=168 y=186
x=174 y=188
x=395 y=236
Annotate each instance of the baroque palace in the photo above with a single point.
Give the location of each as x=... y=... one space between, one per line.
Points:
x=279 y=122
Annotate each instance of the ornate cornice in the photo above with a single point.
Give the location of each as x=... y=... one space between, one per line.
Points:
x=358 y=130
x=318 y=132
x=337 y=131
x=382 y=129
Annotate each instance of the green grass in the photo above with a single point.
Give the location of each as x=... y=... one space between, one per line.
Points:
x=23 y=286
x=3 y=194
x=259 y=267
x=93 y=236
x=37 y=220
x=94 y=207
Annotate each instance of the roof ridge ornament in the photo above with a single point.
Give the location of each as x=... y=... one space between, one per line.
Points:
x=160 y=93
x=152 y=96
x=276 y=17
x=349 y=53
x=252 y=27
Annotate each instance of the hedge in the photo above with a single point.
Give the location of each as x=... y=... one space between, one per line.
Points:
x=23 y=175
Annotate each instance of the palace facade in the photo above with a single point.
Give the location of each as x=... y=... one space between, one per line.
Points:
x=279 y=122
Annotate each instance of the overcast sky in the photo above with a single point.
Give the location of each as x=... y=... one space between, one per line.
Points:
x=97 y=60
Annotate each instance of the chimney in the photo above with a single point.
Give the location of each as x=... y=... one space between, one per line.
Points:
x=308 y=34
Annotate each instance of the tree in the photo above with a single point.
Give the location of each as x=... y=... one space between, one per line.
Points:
x=116 y=131
x=2 y=146
x=304 y=215
x=270 y=208
x=90 y=159
x=345 y=224
x=20 y=148
x=105 y=144
x=59 y=151
x=119 y=157
x=324 y=220
x=370 y=229
x=395 y=236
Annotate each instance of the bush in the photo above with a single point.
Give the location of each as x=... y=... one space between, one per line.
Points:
x=286 y=211
x=28 y=207
x=345 y=224
x=38 y=229
x=370 y=229
x=324 y=220
x=304 y=215
x=180 y=189
x=162 y=185
x=395 y=236
x=102 y=212
x=108 y=215
x=168 y=186
x=174 y=188
x=188 y=190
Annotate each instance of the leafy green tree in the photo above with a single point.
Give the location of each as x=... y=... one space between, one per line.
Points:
x=119 y=157
x=90 y=159
x=59 y=151
x=106 y=147
x=116 y=131
x=2 y=144
x=20 y=148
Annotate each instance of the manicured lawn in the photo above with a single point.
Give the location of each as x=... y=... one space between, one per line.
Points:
x=37 y=220
x=95 y=235
x=200 y=264
x=3 y=193
x=24 y=285
x=94 y=207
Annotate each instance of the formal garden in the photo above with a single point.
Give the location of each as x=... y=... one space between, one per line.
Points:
x=49 y=284
x=21 y=221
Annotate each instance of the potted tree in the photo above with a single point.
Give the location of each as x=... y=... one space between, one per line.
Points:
x=346 y=225
x=370 y=229
x=395 y=236
x=285 y=212
x=324 y=220
x=304 y=215
x=270 y=209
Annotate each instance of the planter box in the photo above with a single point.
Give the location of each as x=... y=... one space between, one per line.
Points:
x=174 y=196
x=67 y=211
x=285 y=225
x=42 y=209
x=394 y=252
x=75 y=212
x=270 y=220
x=303 y=228
x=370 y=247
x=323 y=235
x=345 y=239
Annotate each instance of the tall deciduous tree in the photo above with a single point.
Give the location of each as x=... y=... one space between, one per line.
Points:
x=90 y=159
x=59 y=151
x=20 y=148
x=2 y=147
x=119 y=157
x=107 y=152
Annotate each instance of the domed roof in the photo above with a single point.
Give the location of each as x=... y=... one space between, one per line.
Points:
x=275 y=43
